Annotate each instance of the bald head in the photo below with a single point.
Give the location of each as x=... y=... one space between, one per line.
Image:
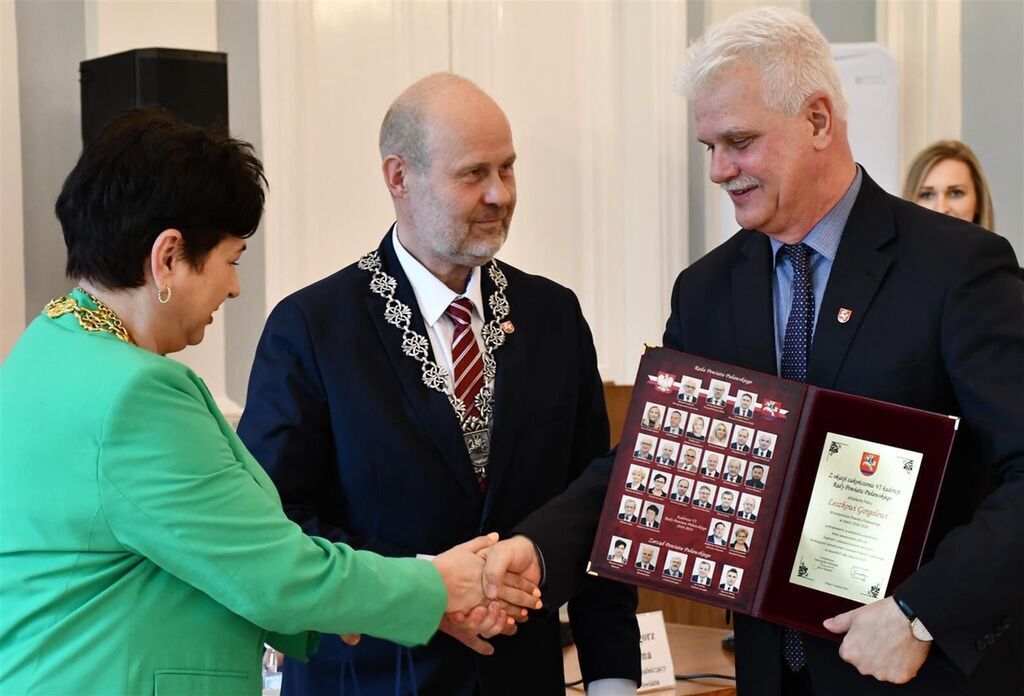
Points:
x=406 y=129
x=447 y=162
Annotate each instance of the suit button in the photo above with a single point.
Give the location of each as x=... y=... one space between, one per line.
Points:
x=980 y=644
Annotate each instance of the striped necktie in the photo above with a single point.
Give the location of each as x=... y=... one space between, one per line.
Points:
x=467 y=363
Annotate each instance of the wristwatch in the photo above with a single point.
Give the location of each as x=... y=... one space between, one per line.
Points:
x=916 y=627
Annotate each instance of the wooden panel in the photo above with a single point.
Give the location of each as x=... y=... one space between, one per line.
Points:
x=676 y=609
x=682 y=611
x=616 y=397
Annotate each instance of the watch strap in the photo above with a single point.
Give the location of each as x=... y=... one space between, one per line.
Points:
x=917 y=627
x=905 y=608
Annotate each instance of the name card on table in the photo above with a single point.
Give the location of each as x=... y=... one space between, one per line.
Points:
x=656 y=666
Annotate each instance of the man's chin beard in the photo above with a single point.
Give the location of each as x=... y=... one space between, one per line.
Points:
x=468 y=260
x=475 y=254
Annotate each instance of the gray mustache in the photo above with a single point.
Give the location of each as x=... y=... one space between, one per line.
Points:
x=739 y=183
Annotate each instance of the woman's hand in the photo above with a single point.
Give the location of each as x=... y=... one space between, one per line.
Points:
x=462 y=573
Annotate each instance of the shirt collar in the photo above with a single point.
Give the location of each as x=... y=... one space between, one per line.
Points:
x=433 y=296
x=824 y=237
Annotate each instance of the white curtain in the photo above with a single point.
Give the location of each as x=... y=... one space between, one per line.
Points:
x=600 y=135
x=924 y=37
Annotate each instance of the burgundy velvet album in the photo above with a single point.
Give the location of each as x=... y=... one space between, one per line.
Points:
x=769 y=497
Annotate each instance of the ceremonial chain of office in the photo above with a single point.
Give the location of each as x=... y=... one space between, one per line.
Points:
x=475 y=430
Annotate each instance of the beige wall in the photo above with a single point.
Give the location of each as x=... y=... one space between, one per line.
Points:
x=12 y=254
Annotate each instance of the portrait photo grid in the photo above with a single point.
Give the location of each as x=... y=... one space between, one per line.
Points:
x=699 y=451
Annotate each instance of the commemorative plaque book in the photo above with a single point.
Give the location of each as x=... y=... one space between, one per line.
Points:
x=765 y=496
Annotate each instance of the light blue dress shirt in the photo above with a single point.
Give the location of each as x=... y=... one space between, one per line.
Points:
x=823 y=239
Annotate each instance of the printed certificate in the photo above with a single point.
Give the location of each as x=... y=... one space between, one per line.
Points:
x=855 y=517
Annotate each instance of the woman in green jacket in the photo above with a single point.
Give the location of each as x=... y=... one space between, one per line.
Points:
x=142 y=549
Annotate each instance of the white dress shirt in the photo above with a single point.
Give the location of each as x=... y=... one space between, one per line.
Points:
x=433 y=298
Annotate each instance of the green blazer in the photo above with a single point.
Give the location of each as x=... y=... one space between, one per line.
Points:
x=144 y=551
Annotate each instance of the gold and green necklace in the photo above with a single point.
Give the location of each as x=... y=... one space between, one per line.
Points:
x=102 y=318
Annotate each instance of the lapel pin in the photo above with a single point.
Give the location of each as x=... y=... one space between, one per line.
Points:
x=844 y=315
x=508 y=327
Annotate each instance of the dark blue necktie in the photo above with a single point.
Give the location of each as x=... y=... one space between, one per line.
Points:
x=797 y=342
x=795 y=347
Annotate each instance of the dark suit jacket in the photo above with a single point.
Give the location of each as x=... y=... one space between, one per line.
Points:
x=938 y=323
x=362 y=452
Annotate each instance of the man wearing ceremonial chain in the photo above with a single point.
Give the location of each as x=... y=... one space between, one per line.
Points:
x=427 y=392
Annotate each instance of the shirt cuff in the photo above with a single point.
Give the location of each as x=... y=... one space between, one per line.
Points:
x=543 y=568
x=612 y=687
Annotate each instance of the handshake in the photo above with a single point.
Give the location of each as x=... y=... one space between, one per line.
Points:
x=491 y=586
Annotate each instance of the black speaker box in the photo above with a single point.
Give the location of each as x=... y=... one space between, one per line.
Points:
x=192 y=85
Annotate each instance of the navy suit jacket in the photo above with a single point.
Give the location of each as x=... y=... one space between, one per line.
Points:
x=363 y=452
x=938 y=324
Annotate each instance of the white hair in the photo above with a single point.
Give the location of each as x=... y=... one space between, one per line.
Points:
x=792 y=54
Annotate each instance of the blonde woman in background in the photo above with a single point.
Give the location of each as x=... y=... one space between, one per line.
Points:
x=947 y=177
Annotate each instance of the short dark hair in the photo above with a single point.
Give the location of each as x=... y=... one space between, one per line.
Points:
x=147 y=172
